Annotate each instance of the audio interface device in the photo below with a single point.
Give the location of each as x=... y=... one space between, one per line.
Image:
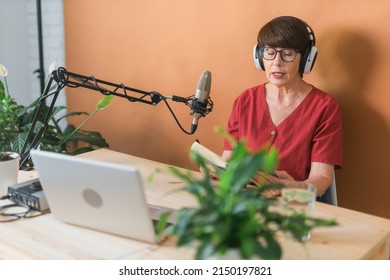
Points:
x=29 y=193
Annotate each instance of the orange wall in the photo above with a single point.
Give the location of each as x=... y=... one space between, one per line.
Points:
x=164 y=45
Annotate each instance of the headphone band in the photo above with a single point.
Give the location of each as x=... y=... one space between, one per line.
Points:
x=307 y=60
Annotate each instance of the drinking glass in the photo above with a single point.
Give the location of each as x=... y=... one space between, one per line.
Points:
x=299 y=203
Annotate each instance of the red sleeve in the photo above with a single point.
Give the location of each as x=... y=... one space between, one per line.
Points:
x=328 y=137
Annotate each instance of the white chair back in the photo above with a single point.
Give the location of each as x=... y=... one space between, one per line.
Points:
x=331 y=193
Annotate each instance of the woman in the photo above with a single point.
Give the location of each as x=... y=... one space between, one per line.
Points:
x=301 y=121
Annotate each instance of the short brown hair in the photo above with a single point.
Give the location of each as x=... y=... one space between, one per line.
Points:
x=285 y=32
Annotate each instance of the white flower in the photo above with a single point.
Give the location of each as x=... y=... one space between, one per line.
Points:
x=52 y=67
x=3 y=71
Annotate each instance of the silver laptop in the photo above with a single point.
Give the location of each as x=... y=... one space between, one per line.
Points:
x=96 y=194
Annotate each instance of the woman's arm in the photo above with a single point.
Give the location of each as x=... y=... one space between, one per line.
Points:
x=321 y=176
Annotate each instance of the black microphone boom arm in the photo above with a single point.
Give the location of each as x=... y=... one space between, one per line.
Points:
x=64 y=78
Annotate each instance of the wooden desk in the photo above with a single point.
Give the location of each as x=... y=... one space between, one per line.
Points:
x=359 y=235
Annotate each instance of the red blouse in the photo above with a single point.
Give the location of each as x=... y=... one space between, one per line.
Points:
x=311 y=133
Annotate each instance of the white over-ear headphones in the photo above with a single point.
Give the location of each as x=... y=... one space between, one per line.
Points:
x=307 y=60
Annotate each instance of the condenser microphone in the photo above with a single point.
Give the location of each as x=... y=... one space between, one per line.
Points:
x=201 y=98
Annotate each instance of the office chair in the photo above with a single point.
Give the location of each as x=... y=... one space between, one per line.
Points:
x=330 y=196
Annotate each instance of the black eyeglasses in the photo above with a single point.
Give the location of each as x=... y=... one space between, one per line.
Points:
x=287 y=55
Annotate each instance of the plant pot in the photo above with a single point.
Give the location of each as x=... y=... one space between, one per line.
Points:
x=231 y=254
x=9 y=169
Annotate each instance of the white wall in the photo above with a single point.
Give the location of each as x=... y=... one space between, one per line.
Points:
x=14 y=52
x=19 y=44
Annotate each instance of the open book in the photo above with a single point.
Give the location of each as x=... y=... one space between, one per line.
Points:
x=211 y=157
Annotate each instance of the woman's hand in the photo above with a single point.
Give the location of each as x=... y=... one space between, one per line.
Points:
x=321 y=175
x=279 y=176
x=287 y=180
x=212 y=173
x=261 y=178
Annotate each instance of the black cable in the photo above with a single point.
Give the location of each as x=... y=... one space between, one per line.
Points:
x=174 y=116
x=5 y=197
x=10 y=217
x=38 y=136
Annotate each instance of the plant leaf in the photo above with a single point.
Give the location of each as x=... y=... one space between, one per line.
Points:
x=269 y=248
x=2 y=92
x=71 y=114
x=270 y=160
x=104 y=102
x=162 y=224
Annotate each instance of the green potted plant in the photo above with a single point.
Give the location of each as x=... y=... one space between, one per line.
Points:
x=232 y=217
x=16 y=119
